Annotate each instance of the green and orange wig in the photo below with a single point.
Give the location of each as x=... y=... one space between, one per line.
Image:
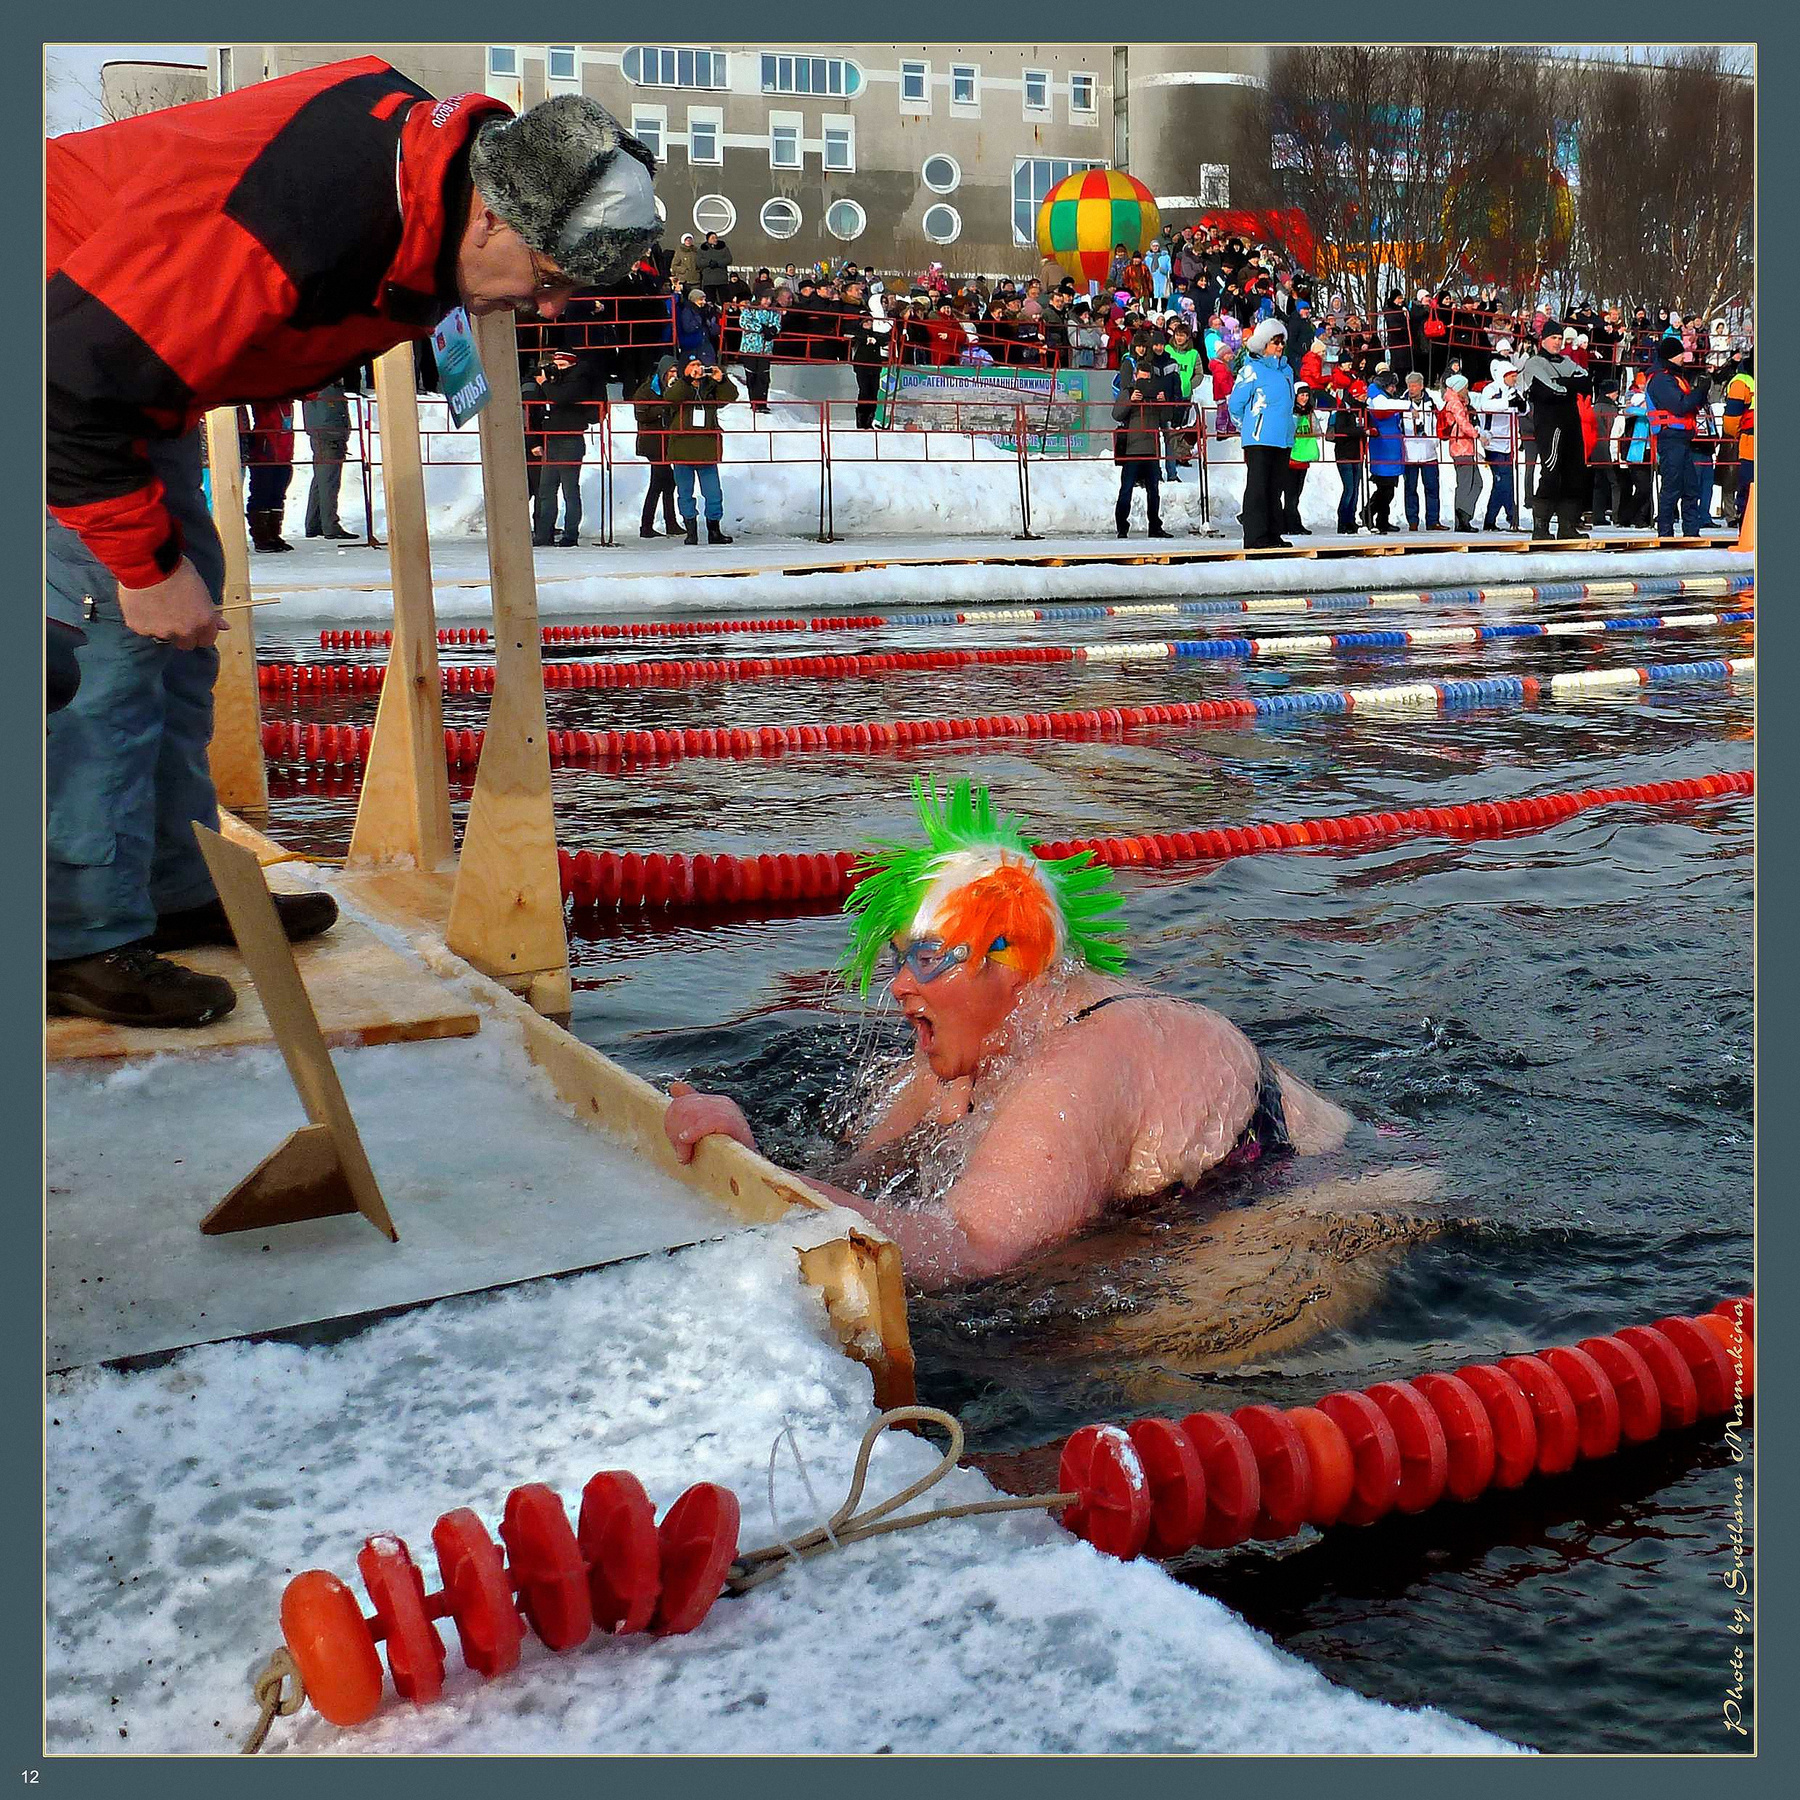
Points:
x=976 y=880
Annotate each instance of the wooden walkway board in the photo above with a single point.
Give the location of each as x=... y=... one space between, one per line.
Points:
x=363 y=992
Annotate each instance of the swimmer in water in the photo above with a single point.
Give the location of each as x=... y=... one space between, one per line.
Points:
x=1082 y=1091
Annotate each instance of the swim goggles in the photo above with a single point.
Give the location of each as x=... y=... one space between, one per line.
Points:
x=928 y=959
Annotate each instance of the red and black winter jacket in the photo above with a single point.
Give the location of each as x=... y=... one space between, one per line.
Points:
x=239 y=249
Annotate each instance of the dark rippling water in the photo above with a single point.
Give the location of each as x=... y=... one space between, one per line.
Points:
x=1561 y=1018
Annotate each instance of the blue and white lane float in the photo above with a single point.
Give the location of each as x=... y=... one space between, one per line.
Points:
x=1290 y=603
x=1428 y=637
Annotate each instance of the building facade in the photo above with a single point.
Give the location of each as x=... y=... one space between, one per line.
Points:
x=889 y=155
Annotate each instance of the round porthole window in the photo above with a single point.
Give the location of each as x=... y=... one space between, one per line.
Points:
x=713 y=212
x=846 y=220
x=780 y=218
x=942 y=174
x=943 y=224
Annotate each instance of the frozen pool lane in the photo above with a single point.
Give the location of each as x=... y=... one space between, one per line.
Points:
x=182 y=1500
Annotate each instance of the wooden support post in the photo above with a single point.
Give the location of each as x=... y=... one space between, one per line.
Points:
x=235 y=753
x=506 y=915
x=403 y=815
x=321 y=1169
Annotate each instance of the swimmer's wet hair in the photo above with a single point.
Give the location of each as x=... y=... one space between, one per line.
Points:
x=895 y=880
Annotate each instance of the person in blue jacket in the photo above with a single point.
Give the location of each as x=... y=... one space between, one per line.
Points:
x=1677 y=398
x=1262 y=407
x=1387 y=447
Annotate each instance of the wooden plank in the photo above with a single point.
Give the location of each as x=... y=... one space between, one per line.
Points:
x=403 y=812
x=363 y=992
x=860 y=1279
x=506 y=916
x=235 y=754
x=270 y=959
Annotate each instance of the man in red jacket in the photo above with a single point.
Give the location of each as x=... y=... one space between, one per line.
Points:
x=244 y=249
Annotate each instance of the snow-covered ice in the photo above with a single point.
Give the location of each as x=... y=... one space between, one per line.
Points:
x=181 y=1501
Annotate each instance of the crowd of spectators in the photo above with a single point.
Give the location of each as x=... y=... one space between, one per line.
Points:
x=1514 y=412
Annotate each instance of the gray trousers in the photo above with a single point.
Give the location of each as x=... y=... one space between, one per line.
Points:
x=328 y=451
x=125 y=770
x=1468 y=489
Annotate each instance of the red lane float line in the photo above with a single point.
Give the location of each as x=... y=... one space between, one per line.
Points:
x=1402 y=1446
x=551 y=636
x=674 y=881
x=478 y=678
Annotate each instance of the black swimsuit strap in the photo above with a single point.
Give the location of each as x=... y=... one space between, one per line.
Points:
x=1076 y=1018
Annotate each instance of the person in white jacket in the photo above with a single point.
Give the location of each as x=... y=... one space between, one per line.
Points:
x=1498 y=407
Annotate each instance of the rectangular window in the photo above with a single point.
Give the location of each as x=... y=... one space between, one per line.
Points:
x=915 y=84
x=1081 y=94
x=1033 y=178
x=705 y=128
x=562 y=62
x=840 y=144
x=1037 y=90
x=647 y=127
x=784 y=146
x=654 y=65
x=503 y=59
x=965 y=84
x=1215 y=185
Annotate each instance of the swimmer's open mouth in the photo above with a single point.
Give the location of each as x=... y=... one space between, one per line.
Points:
x=922 y=1029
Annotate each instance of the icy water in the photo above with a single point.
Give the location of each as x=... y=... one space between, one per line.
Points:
x=1560 y=1022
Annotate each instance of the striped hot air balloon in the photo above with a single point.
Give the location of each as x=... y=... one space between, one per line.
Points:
x=1086 y=213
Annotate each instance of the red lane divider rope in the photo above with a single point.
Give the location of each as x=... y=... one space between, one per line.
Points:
x=474 y=678
x=1161 y=1487
x=676 y=882
x=450 y=636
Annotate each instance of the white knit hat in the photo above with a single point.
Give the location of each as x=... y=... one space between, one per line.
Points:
x=1265 y=334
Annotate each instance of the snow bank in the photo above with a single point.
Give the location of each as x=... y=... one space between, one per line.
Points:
x=180 y=1501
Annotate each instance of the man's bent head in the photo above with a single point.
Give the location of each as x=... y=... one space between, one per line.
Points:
x=563 y=200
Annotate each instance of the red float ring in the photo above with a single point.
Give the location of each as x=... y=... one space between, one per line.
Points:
x=1674 y=1380
x=696 y=1542
x=1329 y=1457
x=332 y=1647
x=546 y=1567
x=396 y=1589
x=1424 y=1455
x=1233 y=1481
x=1101 y=1464
x=1707 y=1361
x=1284 y=1472
x=1596 y=1402
x=1468 y=1433
x=1376 y=1450
x=481 y=1603
x=1634 y=1387
x=1552 y=1409
x=1743 y=1307
x=1177 y=1485
x=1739 y=1350
x=617 y=1537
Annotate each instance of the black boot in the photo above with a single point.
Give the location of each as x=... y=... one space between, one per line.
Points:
x=1540 y=523
x=265 y=530
x=1568 y=520
x=302 y=916
x=341 y=534
x=693 y=531
x=647 y=530
x=715 y=533
x=134 y=986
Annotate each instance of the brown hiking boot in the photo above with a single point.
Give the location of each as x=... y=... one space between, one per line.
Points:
x=302 y=916
x=133 y=986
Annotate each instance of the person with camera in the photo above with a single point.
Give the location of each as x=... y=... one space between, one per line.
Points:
x=696 y=444
x=1137 y=442
x=569 y=394
x=1262 y=404
x=1681 y=422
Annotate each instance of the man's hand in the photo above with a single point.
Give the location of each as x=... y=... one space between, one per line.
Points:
x=693 y=1116
x=177 y=611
